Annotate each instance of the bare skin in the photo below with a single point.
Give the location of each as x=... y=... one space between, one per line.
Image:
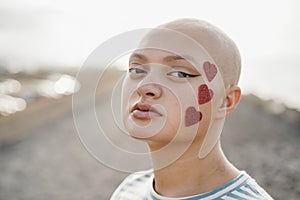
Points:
x=190 y=175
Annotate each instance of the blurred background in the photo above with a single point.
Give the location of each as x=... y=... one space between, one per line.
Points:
x=44 y=43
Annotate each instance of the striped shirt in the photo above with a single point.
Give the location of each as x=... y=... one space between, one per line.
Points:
x=138 y=186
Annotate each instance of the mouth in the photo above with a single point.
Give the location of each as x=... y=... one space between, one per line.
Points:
x=144 y=111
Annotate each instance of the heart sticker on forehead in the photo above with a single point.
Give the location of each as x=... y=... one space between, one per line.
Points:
x=204 y=94
x=210 y=70
x=192 y=116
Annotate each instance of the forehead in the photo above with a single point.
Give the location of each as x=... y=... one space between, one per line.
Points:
x=159 y=55
x=161 y=43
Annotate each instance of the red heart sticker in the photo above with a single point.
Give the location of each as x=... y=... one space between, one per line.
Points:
x=192 y=116
x=204 y=94
x=210 y=70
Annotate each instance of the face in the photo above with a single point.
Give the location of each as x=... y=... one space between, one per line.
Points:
x=164 y=96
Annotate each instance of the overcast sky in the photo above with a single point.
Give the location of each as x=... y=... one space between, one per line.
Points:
x=64 y=32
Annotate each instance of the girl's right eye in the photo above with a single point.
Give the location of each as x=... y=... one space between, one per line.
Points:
x=137 y=71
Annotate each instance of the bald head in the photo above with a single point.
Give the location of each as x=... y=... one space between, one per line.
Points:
x=219 y=46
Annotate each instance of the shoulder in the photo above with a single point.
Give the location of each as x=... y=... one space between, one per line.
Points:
x=135 y=186
x=244 y=187
x=252 y=186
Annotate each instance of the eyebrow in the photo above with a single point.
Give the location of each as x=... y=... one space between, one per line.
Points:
x=173 y=58
x=138 y=56
x=166 y=59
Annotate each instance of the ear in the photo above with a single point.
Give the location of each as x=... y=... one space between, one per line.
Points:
x=230 y=102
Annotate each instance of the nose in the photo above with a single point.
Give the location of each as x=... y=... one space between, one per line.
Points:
x=150 y=91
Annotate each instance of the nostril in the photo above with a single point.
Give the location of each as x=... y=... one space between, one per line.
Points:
x=150 y=94
x=149 y=91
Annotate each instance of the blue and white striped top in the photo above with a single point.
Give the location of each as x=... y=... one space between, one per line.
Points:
x=138 y=186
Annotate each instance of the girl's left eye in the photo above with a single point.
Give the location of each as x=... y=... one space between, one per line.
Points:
x=180 y=74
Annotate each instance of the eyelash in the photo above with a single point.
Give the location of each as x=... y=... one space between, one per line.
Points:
x=177 y=74
x=181 y=74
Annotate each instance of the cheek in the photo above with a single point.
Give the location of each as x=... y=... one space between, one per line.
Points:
x=192 y=115
x=127 y=96
x=190 y=106
x=204 y=94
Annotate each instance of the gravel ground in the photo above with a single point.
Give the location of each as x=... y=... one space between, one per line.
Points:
x=49 y=162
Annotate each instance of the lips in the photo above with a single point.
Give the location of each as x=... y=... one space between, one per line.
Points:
x=144 y=111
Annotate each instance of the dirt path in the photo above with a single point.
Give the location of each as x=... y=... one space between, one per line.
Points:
x=51 y=163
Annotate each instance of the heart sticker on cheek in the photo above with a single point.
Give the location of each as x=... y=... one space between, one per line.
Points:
x=204 y=94
x=192 y=116
x=210 y=70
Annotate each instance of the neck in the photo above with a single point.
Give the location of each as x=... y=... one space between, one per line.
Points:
x=190 y=175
